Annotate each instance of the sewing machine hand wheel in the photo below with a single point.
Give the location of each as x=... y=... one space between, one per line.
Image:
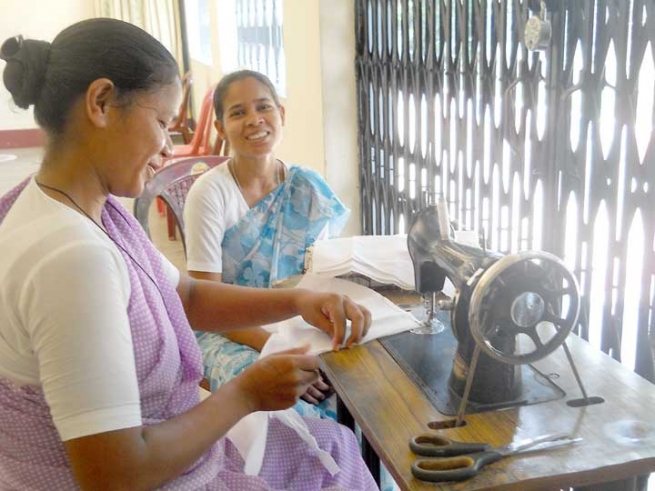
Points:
x=523 y=307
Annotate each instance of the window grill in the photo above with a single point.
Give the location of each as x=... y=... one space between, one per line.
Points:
x=259 y=39
x=550 y=150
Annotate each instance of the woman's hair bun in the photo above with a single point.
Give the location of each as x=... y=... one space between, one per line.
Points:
x=27 y=60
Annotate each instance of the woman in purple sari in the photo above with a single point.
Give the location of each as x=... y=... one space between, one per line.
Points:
x=99 y=367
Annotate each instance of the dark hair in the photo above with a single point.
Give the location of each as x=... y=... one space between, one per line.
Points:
x=224 y=85
x=53 y=76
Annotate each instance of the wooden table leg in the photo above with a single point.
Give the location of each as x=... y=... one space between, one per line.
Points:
x=343 y=415
x=371 y=460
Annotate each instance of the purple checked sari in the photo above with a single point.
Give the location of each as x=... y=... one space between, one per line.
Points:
x=169 y=369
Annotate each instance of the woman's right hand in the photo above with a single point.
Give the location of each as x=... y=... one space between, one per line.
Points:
x=278 y=380
x=145 y=457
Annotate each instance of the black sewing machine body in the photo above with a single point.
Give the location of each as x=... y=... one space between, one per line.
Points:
x=498 y=300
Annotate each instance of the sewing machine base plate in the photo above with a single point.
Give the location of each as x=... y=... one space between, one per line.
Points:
x=428 y=360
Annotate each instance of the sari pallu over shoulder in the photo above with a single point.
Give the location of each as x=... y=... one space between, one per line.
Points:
x=269 y=243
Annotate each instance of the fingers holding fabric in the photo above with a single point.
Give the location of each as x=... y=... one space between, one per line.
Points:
x=345 y=321
x=277 y=381
x=350 y=322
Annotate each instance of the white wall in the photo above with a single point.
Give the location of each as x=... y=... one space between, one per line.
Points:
x=337 y=26
x=36 y=19
x=303 y=140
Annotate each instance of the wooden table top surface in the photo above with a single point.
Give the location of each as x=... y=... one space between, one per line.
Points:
x=390 y=409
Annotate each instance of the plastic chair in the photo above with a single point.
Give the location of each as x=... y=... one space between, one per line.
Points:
x=200 y=142
x=221 y=147
x=172 y=184
x=180 y=125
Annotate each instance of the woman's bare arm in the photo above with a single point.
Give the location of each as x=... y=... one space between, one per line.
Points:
x=255 y=337
x=218 y=307
x=144 y=458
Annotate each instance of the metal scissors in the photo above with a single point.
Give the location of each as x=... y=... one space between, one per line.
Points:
x=456 y=461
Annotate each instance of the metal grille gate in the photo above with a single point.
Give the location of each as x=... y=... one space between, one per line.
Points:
x=548 y=150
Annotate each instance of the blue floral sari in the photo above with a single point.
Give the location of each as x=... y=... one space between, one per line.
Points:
x=268 y=244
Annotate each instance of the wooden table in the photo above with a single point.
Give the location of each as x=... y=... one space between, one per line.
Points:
x=390 y=409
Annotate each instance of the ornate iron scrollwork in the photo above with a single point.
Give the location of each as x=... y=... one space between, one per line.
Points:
x=550 y=150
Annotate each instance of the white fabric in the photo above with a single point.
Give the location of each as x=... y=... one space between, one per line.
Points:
x=386 y=317
x=79 y=352
x=249 y=437
x=249 y=434
x=382 y=258
x=214 y=204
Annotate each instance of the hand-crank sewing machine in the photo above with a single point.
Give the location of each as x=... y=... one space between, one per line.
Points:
x=507 y=311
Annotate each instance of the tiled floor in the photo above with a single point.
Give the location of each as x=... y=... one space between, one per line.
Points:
x=18 y=163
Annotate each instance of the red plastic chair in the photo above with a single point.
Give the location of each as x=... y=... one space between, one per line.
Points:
x=172 y=184
x=180 y=125
x=200 y=142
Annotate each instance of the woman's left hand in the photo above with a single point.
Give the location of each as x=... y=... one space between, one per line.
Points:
x=318 y=391
x=330 y=312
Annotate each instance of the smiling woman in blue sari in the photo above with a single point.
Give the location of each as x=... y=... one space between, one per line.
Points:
x=250 y=221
